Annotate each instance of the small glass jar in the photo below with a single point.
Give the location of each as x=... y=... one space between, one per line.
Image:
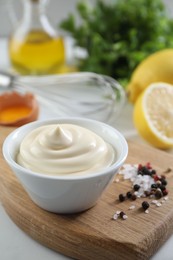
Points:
x=34 y=47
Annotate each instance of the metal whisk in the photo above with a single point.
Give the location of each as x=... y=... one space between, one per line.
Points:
x=81 y=94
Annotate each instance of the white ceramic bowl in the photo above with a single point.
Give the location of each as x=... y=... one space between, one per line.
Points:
x=66 y=194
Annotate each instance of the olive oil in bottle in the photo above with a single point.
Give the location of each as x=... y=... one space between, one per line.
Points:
x=35 y=48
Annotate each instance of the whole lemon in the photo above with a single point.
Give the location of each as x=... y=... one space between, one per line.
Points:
x=157 y=67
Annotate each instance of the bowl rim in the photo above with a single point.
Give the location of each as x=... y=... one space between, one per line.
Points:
x=71 y=120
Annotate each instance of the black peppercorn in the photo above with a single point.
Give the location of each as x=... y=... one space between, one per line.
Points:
x=122 y=197
x=129 y=194
x=154 y=186
x=158 y=193
x=164 y=182
x=145 y=205
x=145 y=170
x=153 y=172
x=123 y=215
x=136 y=187
x=162 y=187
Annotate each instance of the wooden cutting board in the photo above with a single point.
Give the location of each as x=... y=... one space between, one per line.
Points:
x=93 y=234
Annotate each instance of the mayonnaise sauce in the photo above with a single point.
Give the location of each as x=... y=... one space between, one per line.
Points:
x=65 y=149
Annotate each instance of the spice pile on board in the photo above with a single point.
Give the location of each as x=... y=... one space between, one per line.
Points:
x=145 y=183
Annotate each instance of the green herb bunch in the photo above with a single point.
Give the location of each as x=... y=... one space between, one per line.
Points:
x=119 y=35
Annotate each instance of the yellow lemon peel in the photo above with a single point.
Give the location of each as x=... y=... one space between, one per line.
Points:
x=157 y=67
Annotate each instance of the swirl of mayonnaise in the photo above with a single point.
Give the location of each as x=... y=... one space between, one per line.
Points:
x=65 y=149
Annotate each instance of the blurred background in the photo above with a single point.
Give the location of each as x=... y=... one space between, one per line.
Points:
x=57 y=10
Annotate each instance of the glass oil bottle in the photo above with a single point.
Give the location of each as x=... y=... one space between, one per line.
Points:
x=34 y=47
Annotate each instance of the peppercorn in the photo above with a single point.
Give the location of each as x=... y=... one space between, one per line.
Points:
x=158 y=183
x=156 y=177
x=158 y=193
x=122 y=197
x=123 y=215
x=154 y=186
x=153 y=172
x=129 y=194
x=147 y=193
x=145 y=170
x=153 y=191
x=133 y=197
x=136 y=187
x=145 y=205
x=148 y=165
x=162 y=187
x=139 y=167
x=164 y=182
x=165 y=192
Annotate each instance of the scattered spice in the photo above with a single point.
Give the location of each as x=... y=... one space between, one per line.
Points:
x=154 y=186
x=134 y=197
x=158 y=204
x=146 y=183
x=129 y=194
x=122 y=197
x=136 y=187
x=132 y=207
x=165 y=192
x=115 y=216
x=123 y=215
x=158 y=193
x=164 y=182
x=120 y=214
x=145 y=205
x=154 y=201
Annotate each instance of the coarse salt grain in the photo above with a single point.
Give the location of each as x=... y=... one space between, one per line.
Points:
x=136 y=193
x=154 y=201
x=152 y=196
x=158 y=204
x=125 y=217
x=115 y=216
x=130 y=171
x=132 y=207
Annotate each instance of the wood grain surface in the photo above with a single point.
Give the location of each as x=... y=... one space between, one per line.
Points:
x=93 y=234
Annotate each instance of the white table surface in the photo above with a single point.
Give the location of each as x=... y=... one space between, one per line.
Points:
x=15 y=244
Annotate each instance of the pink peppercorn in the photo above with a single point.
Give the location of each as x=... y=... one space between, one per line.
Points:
x=139 y=166
x=156 y=177
x=165 y=192
x=148 y=165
